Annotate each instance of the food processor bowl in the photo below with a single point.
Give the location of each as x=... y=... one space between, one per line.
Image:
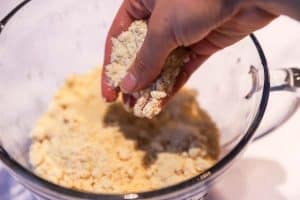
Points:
x=42 y=43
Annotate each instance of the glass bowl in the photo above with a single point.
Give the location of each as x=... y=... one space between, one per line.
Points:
x=42 y=43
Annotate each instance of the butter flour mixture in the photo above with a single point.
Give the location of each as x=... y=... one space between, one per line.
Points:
x=85 y=144
x=124 y=50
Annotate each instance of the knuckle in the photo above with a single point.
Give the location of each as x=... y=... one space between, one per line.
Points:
x=205 y=47
x=160 y=32
x=178 y=34
x=217 y=39
x=140 y=71
x=149 y=4
x=140 y=66
x=137 y=9
x=180 y=25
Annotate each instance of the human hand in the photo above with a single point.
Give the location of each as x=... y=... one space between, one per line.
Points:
x=203 y=26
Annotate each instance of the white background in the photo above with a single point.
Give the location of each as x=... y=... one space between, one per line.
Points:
x=270 y=168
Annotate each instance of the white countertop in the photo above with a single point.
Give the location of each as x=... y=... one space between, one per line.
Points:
x=269 y=168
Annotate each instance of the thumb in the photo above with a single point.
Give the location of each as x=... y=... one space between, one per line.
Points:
x=149 y=60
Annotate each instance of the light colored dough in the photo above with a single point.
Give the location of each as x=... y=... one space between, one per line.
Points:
x=85 y=144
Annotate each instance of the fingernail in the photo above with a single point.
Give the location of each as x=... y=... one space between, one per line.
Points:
x=129 y=83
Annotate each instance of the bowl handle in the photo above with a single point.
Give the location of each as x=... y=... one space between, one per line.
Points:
x=284 y=79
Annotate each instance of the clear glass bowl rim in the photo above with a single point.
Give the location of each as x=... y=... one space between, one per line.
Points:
x=23 y=173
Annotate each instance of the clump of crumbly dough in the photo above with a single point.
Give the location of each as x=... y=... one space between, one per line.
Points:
x=124 y=50
x=85 y=144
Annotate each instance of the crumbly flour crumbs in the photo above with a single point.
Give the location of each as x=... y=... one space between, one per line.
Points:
x=85 y=144
x=124 y=50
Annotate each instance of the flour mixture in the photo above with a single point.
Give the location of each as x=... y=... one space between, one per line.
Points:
x=85 y=144
x=124 y=50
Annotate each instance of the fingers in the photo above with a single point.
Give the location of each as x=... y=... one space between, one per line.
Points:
x=120 y=23
x=140 y=9
x=149 y=60
x=129 y=11
x=128 y=101
x=109 y=93
x=160 y=41
x=200 y=52
x=229 y=33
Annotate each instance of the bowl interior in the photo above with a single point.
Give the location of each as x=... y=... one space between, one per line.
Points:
x=46 y=42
